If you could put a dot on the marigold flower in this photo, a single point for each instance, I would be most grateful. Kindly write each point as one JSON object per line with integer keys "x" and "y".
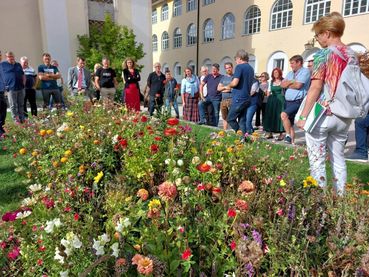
{"x": 310, "y": 182}
{"x": 231, "y": 212}
{"x": 154, "y": 204}
{"x": 167, "y": 191}
{"x": 173, "y": 121}
{"x": 22, "y": 151}
{"x": 145, "y": 266}
{"x": 143, "y": 194}
{"x": 186, "y": 254}
{"x": 246, "y": 187}
{"x": 67, "y": 153}
{"x": 63, "y": 159}
{"x": 49, "y": 132}
{"x": 42, "y": 133}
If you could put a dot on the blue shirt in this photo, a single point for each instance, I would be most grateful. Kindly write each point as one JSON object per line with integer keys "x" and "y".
{"x": 212, "y": 84}
{"x": 245, "y": 73}
{"x": 302, "y": 76}
{"x": 190, "y": 86}
{"x": 2, "y": 85}
{"x": 13, "y": 75}
{"x": 49, "y": 84}
{"x": 225, "y": 81}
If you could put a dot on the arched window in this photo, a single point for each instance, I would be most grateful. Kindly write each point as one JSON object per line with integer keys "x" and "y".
{"x": 154, "y": 40}
{"x": 252, "y": 20}
{"x": 164, "y": 41}
{"x": 165, "y": 67}
{"x": 154, "y": 17}
{"x": 208, "y": 30}
{"x": 208, "y": 2}
{"x": 177, "y": 38}
{"x": 281, "y": 14}
{"x": 207, "y": 63}
{"x": 192, "y": 65}
{"x": 352, "y": 7}
{"x": 191, "y": 5}
{"x": 164, "y": 12}
{"x": 191, "y": 34}
{"x": 228, "y": 24}
{"x": 315, "y": 9}
{"x": 278, "y": 59}
{"x": 177, "y": 7}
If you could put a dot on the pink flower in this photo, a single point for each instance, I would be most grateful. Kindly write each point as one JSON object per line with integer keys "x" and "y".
{"x": 233, "y": 245}
{"x": 186, "y": 254}
{"x": 181, "y": 229}
{"x": 136, "y": 258}
{"x": 145, "y": 266}
{"x": 167, "y": 191}
{"x": 76, "y": 217}
{"x": 246, "y": 187}
{"x": 280, "y": 212}
{"x": 242, "y": 205}
{"x": 143, "y": 194}
{"x": 14, "y": 253}
{"x": 231, "y": 212}
{"x": 2, "y": 244}
{"x": 200, "y": 187}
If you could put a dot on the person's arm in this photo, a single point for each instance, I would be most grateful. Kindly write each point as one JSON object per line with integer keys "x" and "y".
{"x": 183, "y": 91}
{"x": 234, "y": 83}
{"x": 138, "y": 76}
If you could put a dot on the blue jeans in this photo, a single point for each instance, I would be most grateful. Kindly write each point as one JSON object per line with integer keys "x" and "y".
{"x": 237, "y": 116}
{"x": 361, "y": 136}
{"x": 169, "y": 103}
{"x": 208, "y": 107}
{"x": 216, "y": 107}
{"x": 249, "y": 115}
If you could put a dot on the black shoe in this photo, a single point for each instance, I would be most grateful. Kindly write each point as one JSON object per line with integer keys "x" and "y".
{"x": 201, "y": 123}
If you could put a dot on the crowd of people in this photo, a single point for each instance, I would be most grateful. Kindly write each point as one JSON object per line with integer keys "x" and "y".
{"x": 237, "y": 96}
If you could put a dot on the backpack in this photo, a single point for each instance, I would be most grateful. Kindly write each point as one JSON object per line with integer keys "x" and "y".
{"x": 351, "y": 99}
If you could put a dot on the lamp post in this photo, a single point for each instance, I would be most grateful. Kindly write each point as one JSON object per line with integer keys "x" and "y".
{"x": 198, "y": 37}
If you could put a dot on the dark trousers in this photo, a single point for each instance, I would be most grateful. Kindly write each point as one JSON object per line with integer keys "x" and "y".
{"x": 30, "y": 96}
{"x": 155, "y": 103}
{"x": 260, "y": 112}
{"x": 237, "y": 116}
{"x": 3, "y": 107}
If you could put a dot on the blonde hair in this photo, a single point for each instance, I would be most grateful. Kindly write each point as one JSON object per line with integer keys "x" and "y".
{"x": 332, "y": 22}
{"x": 96, "y": 66}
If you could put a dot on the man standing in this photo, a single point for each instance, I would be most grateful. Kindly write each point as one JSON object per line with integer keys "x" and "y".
{"x": 296, "y": 84}
{"x": 243, "y": 79}
{"x": 156, "y": 84}
{"x": 14, "y": 84}
{"x": 171, "y": 93}
{"x": 360, "y": 153}
{"x": 30, "y": 92}
{"x": 79, "y": 80}
{"x": 226, "y": 93}
{"x": 49, "y": 74}
{"x": 214, "y": 97}
{"x": 106, "y": 80}
{"x": 205, "y": 108}
{"x": 3, "y": 105}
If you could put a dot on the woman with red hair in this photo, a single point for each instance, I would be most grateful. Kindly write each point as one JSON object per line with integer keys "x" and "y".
{"x": 274, "y": 107}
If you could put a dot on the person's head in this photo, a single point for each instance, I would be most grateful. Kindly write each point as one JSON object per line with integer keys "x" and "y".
{"x": 24, "y": 62}
{"x": 81, "y": 62}
{"x": 264, "y": 76}
{"x": 188, "y": 71}
{"x": 128, "y": 63}
{"x": 215, "y": 69}
{"x": 54, "y": 63}
{"x": 204, "y": 70}
{"x": 10, "y": 57}
{"x": 105, "y": 62}
{"x": 310, "y": 64}
{"x": 228, "y": 66}
{"x": 46, "y": 58}
{"x": 97, "y": 66}
{"x": 277, "y": 74}
{"x": 241, "y": 56}
{"x": 168, "y": 75}
{"x": 296, "y": 62}
{"x": 329, "y": 28}
{"x": 157, "y": 67}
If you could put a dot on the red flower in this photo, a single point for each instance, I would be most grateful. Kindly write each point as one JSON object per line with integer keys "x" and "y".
{"x": 157, "y": 138}
{"x": 242, "y": 205}
{"x": 186, "y": 254}
{"x": 233, "y": 245}
{"x": 168, "y": 132}
{"x": 204, "y": 167}
{"x": 2, "y": 244}
{"x": 14, "y": 253}
{"x": 200, "y": 187}
{"x": 231, "y": 212}
{"x": 280, "y": 212}
{"x": 76, "y": 216}
{"x": 42, "y": 248}
{"x": 154, "y": 148}
{"x": 122, "y": 142}
{"x": 173, "y": 121}
{"x": 39, "y": 262}
{"x": 48, "y": 202}
{"x": 143, "y": 118}
{"x": 216, "y": 190}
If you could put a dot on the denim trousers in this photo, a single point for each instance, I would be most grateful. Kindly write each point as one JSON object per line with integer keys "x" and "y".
{"x": 16, "y": 104}
{"x": 329, "y": 134}
{"x": 249, "y": 116}
{"x": 208, "y": 107}
{"x": 216, "y": 108}
{"x": 237, "y": 115}
{"x": 361, "y": 136}
{"x": 169, "y": 103}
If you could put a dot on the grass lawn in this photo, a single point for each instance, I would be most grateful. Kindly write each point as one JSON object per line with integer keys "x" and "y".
{"x": 13, "y": 190}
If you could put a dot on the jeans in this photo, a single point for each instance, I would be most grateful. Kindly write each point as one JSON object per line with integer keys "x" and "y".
{"x": 155, "y": 103}
{"x": 30, "y": 96}
{"x": 361, "y": 136}
{"x": 237, "y": 115}
{"x": 3, "y": 107}
{"x": 16, "y": 103}
{"x": 330, "y": 133}
{"x": 206, "y": 107}
{"x": 169, "y": 103}
{"x": 216, "y": 107}
{"x": 249, "y": 115}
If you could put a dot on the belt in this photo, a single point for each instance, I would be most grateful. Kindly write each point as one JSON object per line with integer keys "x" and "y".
{"x": 297, "y": 100}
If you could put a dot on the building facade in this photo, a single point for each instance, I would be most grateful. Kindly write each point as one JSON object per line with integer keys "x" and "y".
{"x": 201, "y": 32}
{"x": 31, "y": 27}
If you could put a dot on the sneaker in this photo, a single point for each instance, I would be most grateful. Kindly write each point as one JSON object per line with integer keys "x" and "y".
{"x": 288, "y": 140}
{"x": 356, "y": 157}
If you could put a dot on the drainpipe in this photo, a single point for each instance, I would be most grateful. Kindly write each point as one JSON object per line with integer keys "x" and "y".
{"x": 198, "y": 37}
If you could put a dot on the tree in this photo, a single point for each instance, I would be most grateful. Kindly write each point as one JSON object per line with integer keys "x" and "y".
{"x": 111, "y": 40}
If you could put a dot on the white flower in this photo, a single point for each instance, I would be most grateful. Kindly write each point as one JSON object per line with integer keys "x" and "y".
{"x": 115, "y": 248}
{"x": 115, "y": 139}
{"x": 209, "y": 163}
{"x": 104, "y": 238}
{"x": 178, "y": 181}
{"x": 76, "y": 242}
{"x": 28, "y": 202}
{"x": 98, "y": 247}
{"x": 68, "y": 249}
{"x": 23, "y": 214}
{"x": 195, "y": 160}
{"x": 57, "y": 222}
{"x": 58, "y": 257}
{"x": 51, "y": 224}
{"x": 175, "y": 171}
{"x": 35, "y": 187}
{"x": 167, "y": 161}
{"x": 180, "y": 162}
{"x": 64, "y": 273}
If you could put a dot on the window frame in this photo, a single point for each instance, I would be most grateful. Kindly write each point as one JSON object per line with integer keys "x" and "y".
{"x": 359, "y": 8}
{"x": 281, "y": 17}
{"x": 177, "y": 38}
{"x": 177, "y": 8}
{"x": 207, "y": 30}
{"x": 164, "y": 41}
{"x": 207, "y": 2}
{"x": 316, "y": 9}
{"x": 230, "y": 28}
{"x": 191, "y": 40}
{"x": 164, "y": 15}
{"x": 154, "y": 16}
{"x": 255, "y": 21}
{"x": 154, "y": 43}
{"x": 191, "y": 5}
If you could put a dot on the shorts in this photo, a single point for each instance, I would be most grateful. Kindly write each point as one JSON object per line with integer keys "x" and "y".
{"x": 224, "y": 107}
{"x": 291, "y": 108}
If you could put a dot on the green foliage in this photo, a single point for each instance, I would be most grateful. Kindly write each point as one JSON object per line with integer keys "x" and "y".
{"x": 111, "y": 40}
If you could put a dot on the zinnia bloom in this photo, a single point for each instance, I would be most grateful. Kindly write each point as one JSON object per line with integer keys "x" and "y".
{"x": 154, "y": 148}
{"x": 173, "y": 121}
{"x": 145, "y": 266}
{"x": 143, "y": 194}
{"x": 231, "y": 212}
{"x": 14, "y": 253}
{"x": 167, "y": 191}
{"x": 136, "y": 258}
{"x": 242, "y": 205}
{"x": 186, "y": 254}
{"x": 204, "y": 167}
{"x": 246, "y": 187}
{"x": 143, "y": 118}
{"x": 170, "y": 132}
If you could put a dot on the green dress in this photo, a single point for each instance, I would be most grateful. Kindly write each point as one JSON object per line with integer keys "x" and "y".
{"x": 274, "y": 107}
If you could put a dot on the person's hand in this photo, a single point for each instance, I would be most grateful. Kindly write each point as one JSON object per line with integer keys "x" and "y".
{"x": 300, "y": 124}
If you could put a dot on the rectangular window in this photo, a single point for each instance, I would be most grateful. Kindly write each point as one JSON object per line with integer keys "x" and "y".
{"x": 208, "y": 2}
{"x": 278, "y": 63}
{"x": 178, "y": 70}
{"x": 154, "y": 17}
{"x": 177, "y": 8}
{"x": 191, "y": 5}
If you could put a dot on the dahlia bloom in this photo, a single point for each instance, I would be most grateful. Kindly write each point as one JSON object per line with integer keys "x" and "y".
{"x": 145, "y": 266}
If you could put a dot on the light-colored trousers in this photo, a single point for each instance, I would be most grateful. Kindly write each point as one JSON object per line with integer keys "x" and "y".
{"x": 107, "y": 93}
{"x": 16, "y": 104}
{"x": 329, "y": 134}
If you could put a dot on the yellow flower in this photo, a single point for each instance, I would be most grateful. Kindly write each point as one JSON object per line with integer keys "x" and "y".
{"x": 154, "y": 204}
{"x": 70, "y": 113}
{"x": 42, "y": 133}
{"x": 221, "y": 134}
{"x": 230, "y": 149}
{"x": 98, "y": 177}
{"x": 22, "y": 151}
{"x": 50, "y": 132}
{"x": 282, "y": 183}
{"x": 209, "y": 152}
{"x": 64, "y": 159}
{"x": 310, "y": 182}
{"x": 67, "y": 153}
{"x": 239, "y": 132}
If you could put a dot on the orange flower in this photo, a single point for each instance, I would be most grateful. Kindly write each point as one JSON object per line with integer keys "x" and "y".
{"x": 145, "y": 266}
{"x": 143, "y": 194}
{"x": 170, "y": 132}
{"x": 204, "y": 167}
{"x": 42, "y": 133}
{"x": 136, "y": 258}
{"x": 167, "y": 191}
{"x": 22, "y": 151}
{"x": 246, "y": 187}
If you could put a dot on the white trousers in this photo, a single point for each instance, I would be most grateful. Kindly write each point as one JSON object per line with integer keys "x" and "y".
{"x": 329, "y": 134}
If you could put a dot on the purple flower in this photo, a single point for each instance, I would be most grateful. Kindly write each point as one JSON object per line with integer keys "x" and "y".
{"x": 244, "y": 237}
{"x": 257, "y": 237}
{"x": 94, "y": 164}
{"x": 291, "y": 212}
{"x": 249, "y": 269}
{"x": 244, "y": 225}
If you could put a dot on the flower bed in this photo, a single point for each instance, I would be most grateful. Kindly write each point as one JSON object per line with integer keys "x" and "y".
{"x": 113, "y": 193}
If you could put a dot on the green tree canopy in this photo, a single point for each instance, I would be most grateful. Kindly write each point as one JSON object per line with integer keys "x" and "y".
{"x": 111, "y": 40}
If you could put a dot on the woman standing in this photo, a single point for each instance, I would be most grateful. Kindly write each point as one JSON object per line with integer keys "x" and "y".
{"x": 272, "y": 122}
{"x": 190, "y": 96}
{"x": 97, "y": 91}
{"x": 131, "y": 91}
{"x": 263, "y": 89}
{"x": 331, "y": 131}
